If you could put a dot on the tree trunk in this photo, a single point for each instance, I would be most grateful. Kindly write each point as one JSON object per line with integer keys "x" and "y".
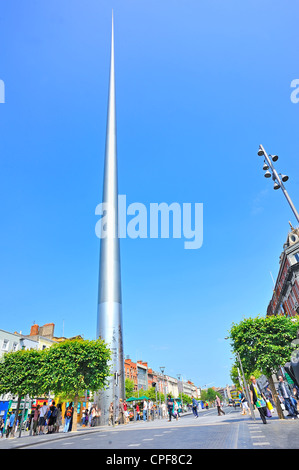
{"x": 276, "y": 398}
{"x": 75, "y": 414}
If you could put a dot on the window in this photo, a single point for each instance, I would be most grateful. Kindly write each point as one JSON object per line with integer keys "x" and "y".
{"x": 5, "y": 345}
{"x": 297, "y": 257}
{"x": 15, "y": 347}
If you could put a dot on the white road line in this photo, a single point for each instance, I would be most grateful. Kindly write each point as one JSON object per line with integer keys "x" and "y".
{"x": 147, "y": 439}
{"x": 133, "y": 445}
{"x": 67, "y": 443}
{"x": 261, "y": 443}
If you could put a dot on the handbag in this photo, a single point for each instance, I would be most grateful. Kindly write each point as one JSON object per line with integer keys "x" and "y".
{"x": 269, "y": 405}
{"x": 268, "y": 413}
{"x": 260, "y": 403}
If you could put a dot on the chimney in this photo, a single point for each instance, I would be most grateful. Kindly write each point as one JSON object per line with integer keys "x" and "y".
{"x": 34, "y": 330}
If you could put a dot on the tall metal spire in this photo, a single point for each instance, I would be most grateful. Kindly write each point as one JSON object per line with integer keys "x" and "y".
{"x": 109, "y": 325}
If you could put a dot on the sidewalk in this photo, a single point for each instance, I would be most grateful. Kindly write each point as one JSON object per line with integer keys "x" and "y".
{"x": 27, "y": 440}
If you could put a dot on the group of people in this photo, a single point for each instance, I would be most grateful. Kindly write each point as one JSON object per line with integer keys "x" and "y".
{"x": 146, "y": 410}
{"x": 45, "y": 419}
{"x": 91, "y": 417}
{"x": 263, "y": 401}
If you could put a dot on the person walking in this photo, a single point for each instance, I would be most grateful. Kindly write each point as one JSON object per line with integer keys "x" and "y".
{"x": 52, "y": 418}
{"x": 68, "y": 418}
{"x": 296, "y": 397}
{"x": 258, "y": 399}
{"x": 10, "y": 423}
{"x": 194, "y": 407}
{"x": 42, "y": 418}
{"x": 58, "y": 421}
{"x": 1, "y": 426}
{"x": 170, "y": 406}
{"x": 111, "y": 417}
{"x": 144, "y": 410}
{"x": 176, "y": 409}
{"x": 35, "y": 419}
{"x": 126, "y": 414}
{"x": 218, "y": 404}
{"x": 244, "y": 403}
{"x": 137, "y": 412}
{"x": 285, "y": 393}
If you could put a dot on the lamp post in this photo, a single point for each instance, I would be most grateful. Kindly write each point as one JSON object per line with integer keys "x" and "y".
{"x": 179, "y": 377}
{"x": 277, "y": 178}
{"x": 246, "y": 388}
{"x": 162, "y": 369}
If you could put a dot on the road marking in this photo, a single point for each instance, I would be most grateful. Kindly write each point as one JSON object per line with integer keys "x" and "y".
{"x": 261, "y": 443}
{"x": 158, "y": 435}
{"x": 147, "y": 439}
{"x": 133, "y": 445}
{"x": 86, "y": 439}
{"x": 67, "y": 443}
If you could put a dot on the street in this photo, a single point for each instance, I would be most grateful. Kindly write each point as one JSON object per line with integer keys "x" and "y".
{"x": 208, "y": 431}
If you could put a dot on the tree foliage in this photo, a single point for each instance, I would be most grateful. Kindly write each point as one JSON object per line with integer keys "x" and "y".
{"x": 264, "y": 344}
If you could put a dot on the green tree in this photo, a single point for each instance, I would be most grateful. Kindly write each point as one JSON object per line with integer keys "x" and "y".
{"x": 20, "y": 374}
{"x": 74, "y": 366}
{"x": 129, "y": 386}
{"x": 264, "y": 344}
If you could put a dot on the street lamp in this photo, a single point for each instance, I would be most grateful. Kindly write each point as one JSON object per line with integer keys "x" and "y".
{"x": 179, "y": 377}
{"x": 278, "y": 179}
{"x": 162, "y": 369}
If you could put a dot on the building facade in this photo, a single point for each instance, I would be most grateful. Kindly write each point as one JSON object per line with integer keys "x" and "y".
{"x": 285, "y": 299}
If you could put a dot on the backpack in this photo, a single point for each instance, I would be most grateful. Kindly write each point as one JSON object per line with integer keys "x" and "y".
{"x": 54, "y": 414}
{"x": 69, "y": 413}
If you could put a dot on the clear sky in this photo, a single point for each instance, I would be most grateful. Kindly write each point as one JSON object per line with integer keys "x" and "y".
{"x": 199, "y": 85}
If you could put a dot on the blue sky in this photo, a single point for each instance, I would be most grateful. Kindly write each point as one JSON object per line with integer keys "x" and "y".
{"x": 199, "y": 85}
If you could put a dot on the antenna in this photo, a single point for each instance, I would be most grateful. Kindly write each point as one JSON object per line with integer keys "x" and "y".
{"x": 272, "y": 279}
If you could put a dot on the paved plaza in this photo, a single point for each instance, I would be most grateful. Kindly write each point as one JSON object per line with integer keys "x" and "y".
{"x": 208, "y": 431}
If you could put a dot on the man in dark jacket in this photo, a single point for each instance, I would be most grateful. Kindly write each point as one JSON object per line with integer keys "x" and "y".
{"x": 285, "y": 393}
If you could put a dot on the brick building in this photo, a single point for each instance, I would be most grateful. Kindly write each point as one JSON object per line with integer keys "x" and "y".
{"x": 285, "y": 299}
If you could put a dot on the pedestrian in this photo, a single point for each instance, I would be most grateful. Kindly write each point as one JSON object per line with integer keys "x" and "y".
{"x": 150, "y": 410}
{"x": 137, "y": 412}
{"x": 1, "y": 426}
{"x": 176, "y": 409}
{"x": 52, "y": 418}
{"x": 93, "y": 416}
{"x": 35, "y": 419}
{"x": 68, "y": 417}
{"x": 58, "y": 422}
{"x": 170, "y": 406}
{"x": 10, "y": 423}
{"x": 144, "y": 411}
{"x": 42, "y": 418}
{"x": 111, "y": 417}
{"x": 71, "y": 421}
{"x": 121, "y": 417}
{"x": 296, "y": 397}
{"x": 258, "y": 399}
{"x": 164, "y": 410}
{"x": 218, "y": 404}
{"x": 244, "y": 403}
{"x": 86, "y": 418}
{"x": 269, "y": 396}
{"x": 285, "y": 393}
{"x": 126, "y": 414}
{"x": 194, "y": 407}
